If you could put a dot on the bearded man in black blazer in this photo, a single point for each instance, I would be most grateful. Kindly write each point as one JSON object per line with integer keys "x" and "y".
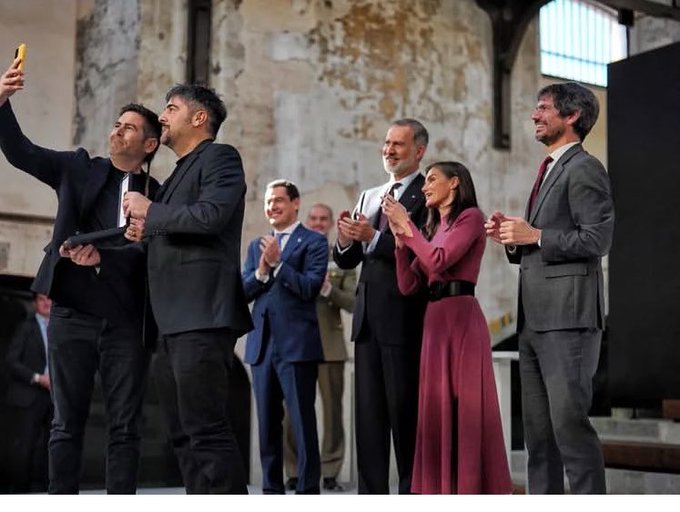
{"x": 387, "y": 326}
{"x": 97, "y": 317}
{"x": 192, "y": 233}
{"x": 558, "y": 245}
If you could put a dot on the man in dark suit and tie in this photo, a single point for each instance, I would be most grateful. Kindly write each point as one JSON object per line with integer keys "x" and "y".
{"x": 283, "y": 274}
{"x": 192, "y": 232}
{"x": 97, "y": 317}
{"x": 387, "y": 327}
{"x": 28, "y": 396}
{"x": 559, "y": 244}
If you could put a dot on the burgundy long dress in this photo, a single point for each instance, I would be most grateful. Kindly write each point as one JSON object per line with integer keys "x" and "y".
{"x": 459, "y": 441}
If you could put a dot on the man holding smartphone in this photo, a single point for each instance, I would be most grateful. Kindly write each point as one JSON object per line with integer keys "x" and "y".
{"x": 387, "y": 327}
{"x": 97, "y": 317}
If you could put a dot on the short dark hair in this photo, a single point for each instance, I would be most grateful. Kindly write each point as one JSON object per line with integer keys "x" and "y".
{"x": 152, "y": 126}
{"x": 198, "y": 95}
{"x": 420, "y": 135}
{"x": 570, "y": 97}
{"x": 291, "y": 189}
{"x": 465, "y": 195}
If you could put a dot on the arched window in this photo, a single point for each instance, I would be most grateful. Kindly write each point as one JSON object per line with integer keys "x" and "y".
{"x": 578, "y": 40}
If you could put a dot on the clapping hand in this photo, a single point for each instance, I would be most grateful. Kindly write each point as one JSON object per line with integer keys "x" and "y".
{"x": 397, "y": 216}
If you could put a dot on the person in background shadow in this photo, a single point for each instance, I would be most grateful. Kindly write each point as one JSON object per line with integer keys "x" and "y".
{"x": 283, "y": 274}
{"x": 459, "y": 442}
{"x": 558, "y": 244}
{"x": 98, "y": 299}
{"x": 28, "y": 397}
{"x": 337, "y": 293}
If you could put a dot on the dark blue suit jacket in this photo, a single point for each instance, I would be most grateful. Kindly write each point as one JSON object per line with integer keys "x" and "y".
{"x": 285, "y": 306}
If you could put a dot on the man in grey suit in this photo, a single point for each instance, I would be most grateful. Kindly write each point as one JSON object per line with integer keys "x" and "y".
{"x": 559, "y": 244}
{"x": 192, "y": 233}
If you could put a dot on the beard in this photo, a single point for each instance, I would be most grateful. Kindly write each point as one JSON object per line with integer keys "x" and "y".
{"x": 548, "y": 138}
{"x": 400, "y": 167}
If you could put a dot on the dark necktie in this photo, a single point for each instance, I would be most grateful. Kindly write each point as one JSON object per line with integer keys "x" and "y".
{"x": 279, "y": 239}
{"x": 391, "y": 191}
{"x": 539, "y": 180}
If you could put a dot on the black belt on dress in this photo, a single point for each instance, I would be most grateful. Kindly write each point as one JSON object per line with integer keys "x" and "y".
{"x": 440, "y": 289}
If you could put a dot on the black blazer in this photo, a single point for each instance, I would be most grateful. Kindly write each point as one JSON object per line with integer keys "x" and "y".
{"x": 25, "y": 356}
{"x": 193, "y": 235}
{"x": 77, "y": 179}
{"x": 393, "y": 318}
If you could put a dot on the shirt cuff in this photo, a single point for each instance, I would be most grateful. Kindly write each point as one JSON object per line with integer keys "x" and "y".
{"x": 262, "y": 278}
{"x": 341, "y": 249}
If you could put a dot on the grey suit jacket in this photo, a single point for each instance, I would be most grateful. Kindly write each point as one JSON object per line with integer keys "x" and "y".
{"x": 560, "y": 282}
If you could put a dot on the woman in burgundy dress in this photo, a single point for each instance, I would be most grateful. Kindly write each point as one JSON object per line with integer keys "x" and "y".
{"x": 459, "y": 442}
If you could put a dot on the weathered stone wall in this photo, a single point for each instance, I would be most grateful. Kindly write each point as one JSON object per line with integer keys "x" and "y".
{"x": 107, "y": 45}
{"x": 313, "y": 85}
{"x": 649, "y": 33}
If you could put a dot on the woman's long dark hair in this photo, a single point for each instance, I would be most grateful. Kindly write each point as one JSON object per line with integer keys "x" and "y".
{"x": 465, "y": 196}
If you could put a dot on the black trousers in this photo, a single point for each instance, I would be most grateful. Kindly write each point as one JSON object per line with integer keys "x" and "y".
{"x": 30, "y": 431}
{"x": 79, "y": 346}
{"x": 386, "y": 381}
{"x": 191, "y": 371}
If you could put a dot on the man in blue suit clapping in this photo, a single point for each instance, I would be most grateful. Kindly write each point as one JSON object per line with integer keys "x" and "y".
{"x": 283, "y": 274}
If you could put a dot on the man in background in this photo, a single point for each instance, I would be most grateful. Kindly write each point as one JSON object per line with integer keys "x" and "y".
{"x": 28, "y": 396}
{"x": 337, "y": 293}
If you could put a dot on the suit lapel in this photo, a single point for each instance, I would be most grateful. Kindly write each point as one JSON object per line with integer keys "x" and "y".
{"x": 171, "y": 183}
{"x": 552, "y": 178}
{"x": 412, "y": 195}
{"x": 409, "y": 198}
{"x": 96, "y": 181}
{"x": 294, "y": 240}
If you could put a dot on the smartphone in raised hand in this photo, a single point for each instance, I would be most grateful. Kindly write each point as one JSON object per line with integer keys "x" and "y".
{"x": 20, "y": 53}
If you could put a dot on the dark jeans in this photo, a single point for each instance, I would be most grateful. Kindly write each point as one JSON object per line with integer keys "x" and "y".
{"x": 191, "y": 370}
{"x": 79, "y": 346}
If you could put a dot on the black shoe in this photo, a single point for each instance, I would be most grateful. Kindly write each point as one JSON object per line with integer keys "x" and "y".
{"x": 291, "y": 484}
{"x": 331, "y": 484}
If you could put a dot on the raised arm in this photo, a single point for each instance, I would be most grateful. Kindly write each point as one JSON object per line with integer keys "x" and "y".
{"x": 436, "y": 258}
